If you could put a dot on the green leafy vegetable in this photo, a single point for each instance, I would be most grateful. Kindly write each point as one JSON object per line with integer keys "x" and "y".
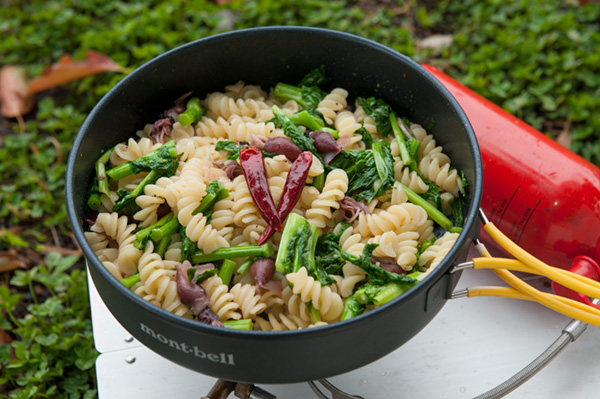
{"x": 307, "y": 93}
{"x": 316, "y": 77}
{"x": 297, "y": 248}
{"x": 215, "y": 192}
{"x": 376, "y": 274}
{"x": 205, "y": 275}
{"x": 304, "y": 142}
{"x": 328, "y": 254}
{"x": 380, "y": 111}
{"x": 370, "y": 173}
{"x": 161, "y": 162}
{"x": 241, "y": 251}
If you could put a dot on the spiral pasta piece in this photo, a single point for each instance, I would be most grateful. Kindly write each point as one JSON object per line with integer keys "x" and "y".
{"x": 442, "y": 175}
{"x": 133, "y": 150}
{"x": 110, "y": 229}
{"x": 241, "y": 130}
{"x": 346, "y": 123}
{"x": 224, "y": 106}
{"x": 295, "y": 305}
{"x": 248, "y": 300}
{"x": 243, "y": 206}
{"x": 279, "y": 322}
{"x": 336, "y": 185}
{"x": 410, "y": 179}
{"x": 432, "y": 256}
{"x": 332, "y": 103}
{"x": 367, "y": 121}
{"x": 396, "y": 218}
{"x": 158, "y": 278}
{"x": 328, "y": 302}
{"x": 221, "y": 300}
{"x": 402, "y": 247}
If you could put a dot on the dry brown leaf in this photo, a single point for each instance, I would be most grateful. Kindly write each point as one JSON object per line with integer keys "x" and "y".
{"x": 5, "y": 338}
{"x": 10, "y": 260}
{"x": 13, "y": 86}
{"x": 67, "y": 70}
{"x": 564, "y": 138}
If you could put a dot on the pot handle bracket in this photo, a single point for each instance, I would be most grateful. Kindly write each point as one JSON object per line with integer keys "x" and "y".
{"x": 441, "y": 291}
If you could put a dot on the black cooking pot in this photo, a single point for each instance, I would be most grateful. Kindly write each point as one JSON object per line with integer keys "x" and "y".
{"x": 266, "y": 56}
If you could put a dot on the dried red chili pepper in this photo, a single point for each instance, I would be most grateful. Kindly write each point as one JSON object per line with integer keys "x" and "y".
{"x": 253, "y": 166}
{"x": 292, "y": 190}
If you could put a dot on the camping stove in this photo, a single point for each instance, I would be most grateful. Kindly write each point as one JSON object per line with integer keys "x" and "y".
{"x": 468, "y": 348}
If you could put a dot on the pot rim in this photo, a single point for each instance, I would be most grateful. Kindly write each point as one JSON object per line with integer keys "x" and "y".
{"x": 470, "y": 219}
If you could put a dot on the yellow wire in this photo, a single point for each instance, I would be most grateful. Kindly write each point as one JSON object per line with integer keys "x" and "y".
{"x": 517, "y": 265}
{"x": 509, "y": 292}
{"x": 570, "y": 308}
{"x": 588, "y": 286}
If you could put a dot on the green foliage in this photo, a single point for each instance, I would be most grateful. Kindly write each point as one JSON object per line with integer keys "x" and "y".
{"x": 381, "y": 25}
{"x": 540, "y": 60}
{"x": 53, "y": 353}
{"x": 32, "y": 166}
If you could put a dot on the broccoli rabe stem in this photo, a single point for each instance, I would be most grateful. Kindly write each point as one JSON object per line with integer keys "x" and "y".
{"x": 162, "y": 246}
{"x": 243, "y": 324}
{"x": 241, "y": 251}
{"x": 194, "y": 111}
{"x": 131, "y": 280}
{"x": 304, "y": 118}
{"x": 319, "y": 181}
{"x": 160, "y": 159}
{"x": 226, "y": 271}
{"x": 371, "y": 294}
{"x": 165, "y": 230}
{"x": 352, "y": 308}
{"x": 431, "y": 210}
{"x": 245, "y": 266}
{"x": 142, "y": 236}
{"x": 101, "y": 172}
{"x": 297, "y": 245}
{"x": 404, "y": 154}
{"x": 94, "y": 200}
{"x": 286, "y": 92}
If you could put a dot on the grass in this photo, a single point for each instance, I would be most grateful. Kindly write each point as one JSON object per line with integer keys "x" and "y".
{"x": 540, "y": 60}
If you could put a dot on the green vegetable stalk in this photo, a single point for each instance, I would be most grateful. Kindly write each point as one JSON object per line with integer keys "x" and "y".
{"x": 215, "y": 192}
{"x": 163, "y": 159}
{"x": 194, "y": 111}
{"x": 101, "y": 172}
{"x": 131, "y": 280}
{"x": 242, "y": 324}
{"x": 161, "y": 162}
{"x": 371, "y": 294}
{"x": 142, "y": 236}
{"x": 226, "y": 271}
{"x": 431, "y": 210}
{"x": 405, "y": 154}
{"x": 297, "y": 248}
{"x": 100, "y": 184}
{"x": 242, "y": 251}
{"x": 310, "y": 118}
{"x": 304, "y": 142}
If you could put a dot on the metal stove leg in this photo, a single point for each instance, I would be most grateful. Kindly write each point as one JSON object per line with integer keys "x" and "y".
{"x": 335, "y": 392}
